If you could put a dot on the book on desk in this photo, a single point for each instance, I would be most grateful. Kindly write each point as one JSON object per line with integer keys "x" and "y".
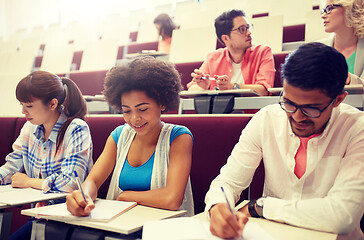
{"x": 104, "y": 211}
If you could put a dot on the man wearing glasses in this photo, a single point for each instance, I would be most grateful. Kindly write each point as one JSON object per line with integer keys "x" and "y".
{"x": 240, "y": 64}
{"x": 312, "y": 146}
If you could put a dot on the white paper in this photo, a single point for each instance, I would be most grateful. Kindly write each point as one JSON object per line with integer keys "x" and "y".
{"x": 174, "y": 229}
{"x": 104, "y": 210}
{"x": 188, "y": 228}
{"x": 16, "y": 196}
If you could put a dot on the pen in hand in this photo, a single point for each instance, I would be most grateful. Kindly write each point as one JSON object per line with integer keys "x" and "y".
{"x": 230, "y": 208}
{"x": 208, "y": 78}
{"x": 80, "y": 187}
{"x": 232, "y": 212}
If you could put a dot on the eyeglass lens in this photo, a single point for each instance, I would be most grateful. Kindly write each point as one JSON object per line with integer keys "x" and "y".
{"x": 310, "y": 112}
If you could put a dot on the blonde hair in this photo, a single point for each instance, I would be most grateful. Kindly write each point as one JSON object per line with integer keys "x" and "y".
{"x": 354, "y": 15}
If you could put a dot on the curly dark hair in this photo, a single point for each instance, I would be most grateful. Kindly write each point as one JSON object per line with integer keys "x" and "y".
{"x": 157, "y": 78}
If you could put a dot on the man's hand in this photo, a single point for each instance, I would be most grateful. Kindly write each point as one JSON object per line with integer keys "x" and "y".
{"x": 224, "y": 224}
{"x": 223, "y": 82}
{"x": 245, "y": 210}
{"x": 202, "y": 83}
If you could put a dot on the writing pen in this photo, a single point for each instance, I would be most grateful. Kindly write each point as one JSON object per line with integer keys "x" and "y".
{"x": 208, "y": 78}
{"x": 79, "y": 186}
{"x": 230, "y": 208}
{"x": 232, "y": 212}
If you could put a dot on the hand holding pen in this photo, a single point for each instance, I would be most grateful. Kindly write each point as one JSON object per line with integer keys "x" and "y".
{"x": 80, "y": 187}
{"x": 78, "y": 202}
{"x": 201, "y": 79}
{"x": 226, "y": 223}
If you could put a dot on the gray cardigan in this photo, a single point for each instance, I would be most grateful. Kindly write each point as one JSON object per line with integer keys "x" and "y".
{"x": 160, "y": 166}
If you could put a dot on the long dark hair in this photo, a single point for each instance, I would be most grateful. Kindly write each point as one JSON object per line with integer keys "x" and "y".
{"x": 47, "y": 86}
{"x": 167, "y": 25}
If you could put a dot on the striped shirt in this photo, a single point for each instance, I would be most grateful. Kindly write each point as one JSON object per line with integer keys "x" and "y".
{"x": 39, "y": 159}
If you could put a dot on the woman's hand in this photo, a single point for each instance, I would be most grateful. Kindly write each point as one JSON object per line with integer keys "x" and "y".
{"x": 76, "y": 204}
{"x": 20, "y": 180}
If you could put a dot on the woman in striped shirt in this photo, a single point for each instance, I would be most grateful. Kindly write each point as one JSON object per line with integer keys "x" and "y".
{"x": 55, "y": 141}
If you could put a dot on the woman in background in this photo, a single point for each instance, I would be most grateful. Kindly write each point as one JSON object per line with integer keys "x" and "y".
{"x": 165, "y": 27}
{"x": 149, "y": 160}
{"x": 345, "y": 19}
{"x": 55, "y": 141}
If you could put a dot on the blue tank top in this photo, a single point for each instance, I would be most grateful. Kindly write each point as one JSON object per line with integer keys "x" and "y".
{"x": 139, "y": 178}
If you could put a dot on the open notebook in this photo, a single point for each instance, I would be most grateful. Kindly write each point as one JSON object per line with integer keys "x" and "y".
{"x": 104, "y": 211}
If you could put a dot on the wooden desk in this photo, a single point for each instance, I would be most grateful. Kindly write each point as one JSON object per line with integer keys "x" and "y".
{"x": 127, "y": 223}
{"x": 351, "y": 89}
{"x": 281, "y": 231}
{"x": 5, "y": 217}
{"x": 151, "y": 53}
{"x": 248, "y": 100}
{"x": 237, "y": 92}
{"x": 187, "y": 101}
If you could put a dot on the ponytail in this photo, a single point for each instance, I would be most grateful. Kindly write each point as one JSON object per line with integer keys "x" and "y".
{"x": 47, "y": 86}
{"x": 74, "y": 106}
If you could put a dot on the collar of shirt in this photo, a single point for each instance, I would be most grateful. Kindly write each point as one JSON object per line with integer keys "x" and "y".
{"x": 246, "y": 54}
{"x": 39, "y": 131}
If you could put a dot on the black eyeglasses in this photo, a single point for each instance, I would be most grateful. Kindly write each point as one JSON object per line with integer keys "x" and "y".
{"x": 311, "y": 112}
{"x": 243, "y": 28}
{"x": 328, "y": 9}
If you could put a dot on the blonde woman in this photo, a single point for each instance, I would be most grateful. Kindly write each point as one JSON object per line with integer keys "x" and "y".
{"x": 345, "y": 20}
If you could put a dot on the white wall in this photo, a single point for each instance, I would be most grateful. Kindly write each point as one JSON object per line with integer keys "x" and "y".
{"x": 25, "y": 14}
{"x": 2, "y": 19}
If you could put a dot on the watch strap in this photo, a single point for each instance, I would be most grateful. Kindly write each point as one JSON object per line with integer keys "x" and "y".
{"x": 251, "y": 209}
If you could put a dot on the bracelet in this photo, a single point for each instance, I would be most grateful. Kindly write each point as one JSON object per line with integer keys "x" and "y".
{"x": 251, "y": 209}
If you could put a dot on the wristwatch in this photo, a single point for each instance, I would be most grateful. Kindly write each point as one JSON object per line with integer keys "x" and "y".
{"x": 255, "y": 207}
{"x": 251, "y": 209}
{"x": 236, "y": 86}
{"x": 259, "y": 205}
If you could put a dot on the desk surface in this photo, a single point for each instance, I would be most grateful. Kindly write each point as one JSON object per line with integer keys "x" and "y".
{"x": 282, "y": 231}
{"x": 351, "y": 89}
{"x": 237, "y": 92}
{"x": 94, "y": 98}
{"x": 152, "y": 53}
{"x": 19, "y": 196}
{"x": 128, "y": 222}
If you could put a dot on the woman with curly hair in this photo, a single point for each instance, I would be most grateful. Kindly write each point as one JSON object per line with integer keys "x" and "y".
{"x": 150, "y": 160}
{"x": 345, "y": 19}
